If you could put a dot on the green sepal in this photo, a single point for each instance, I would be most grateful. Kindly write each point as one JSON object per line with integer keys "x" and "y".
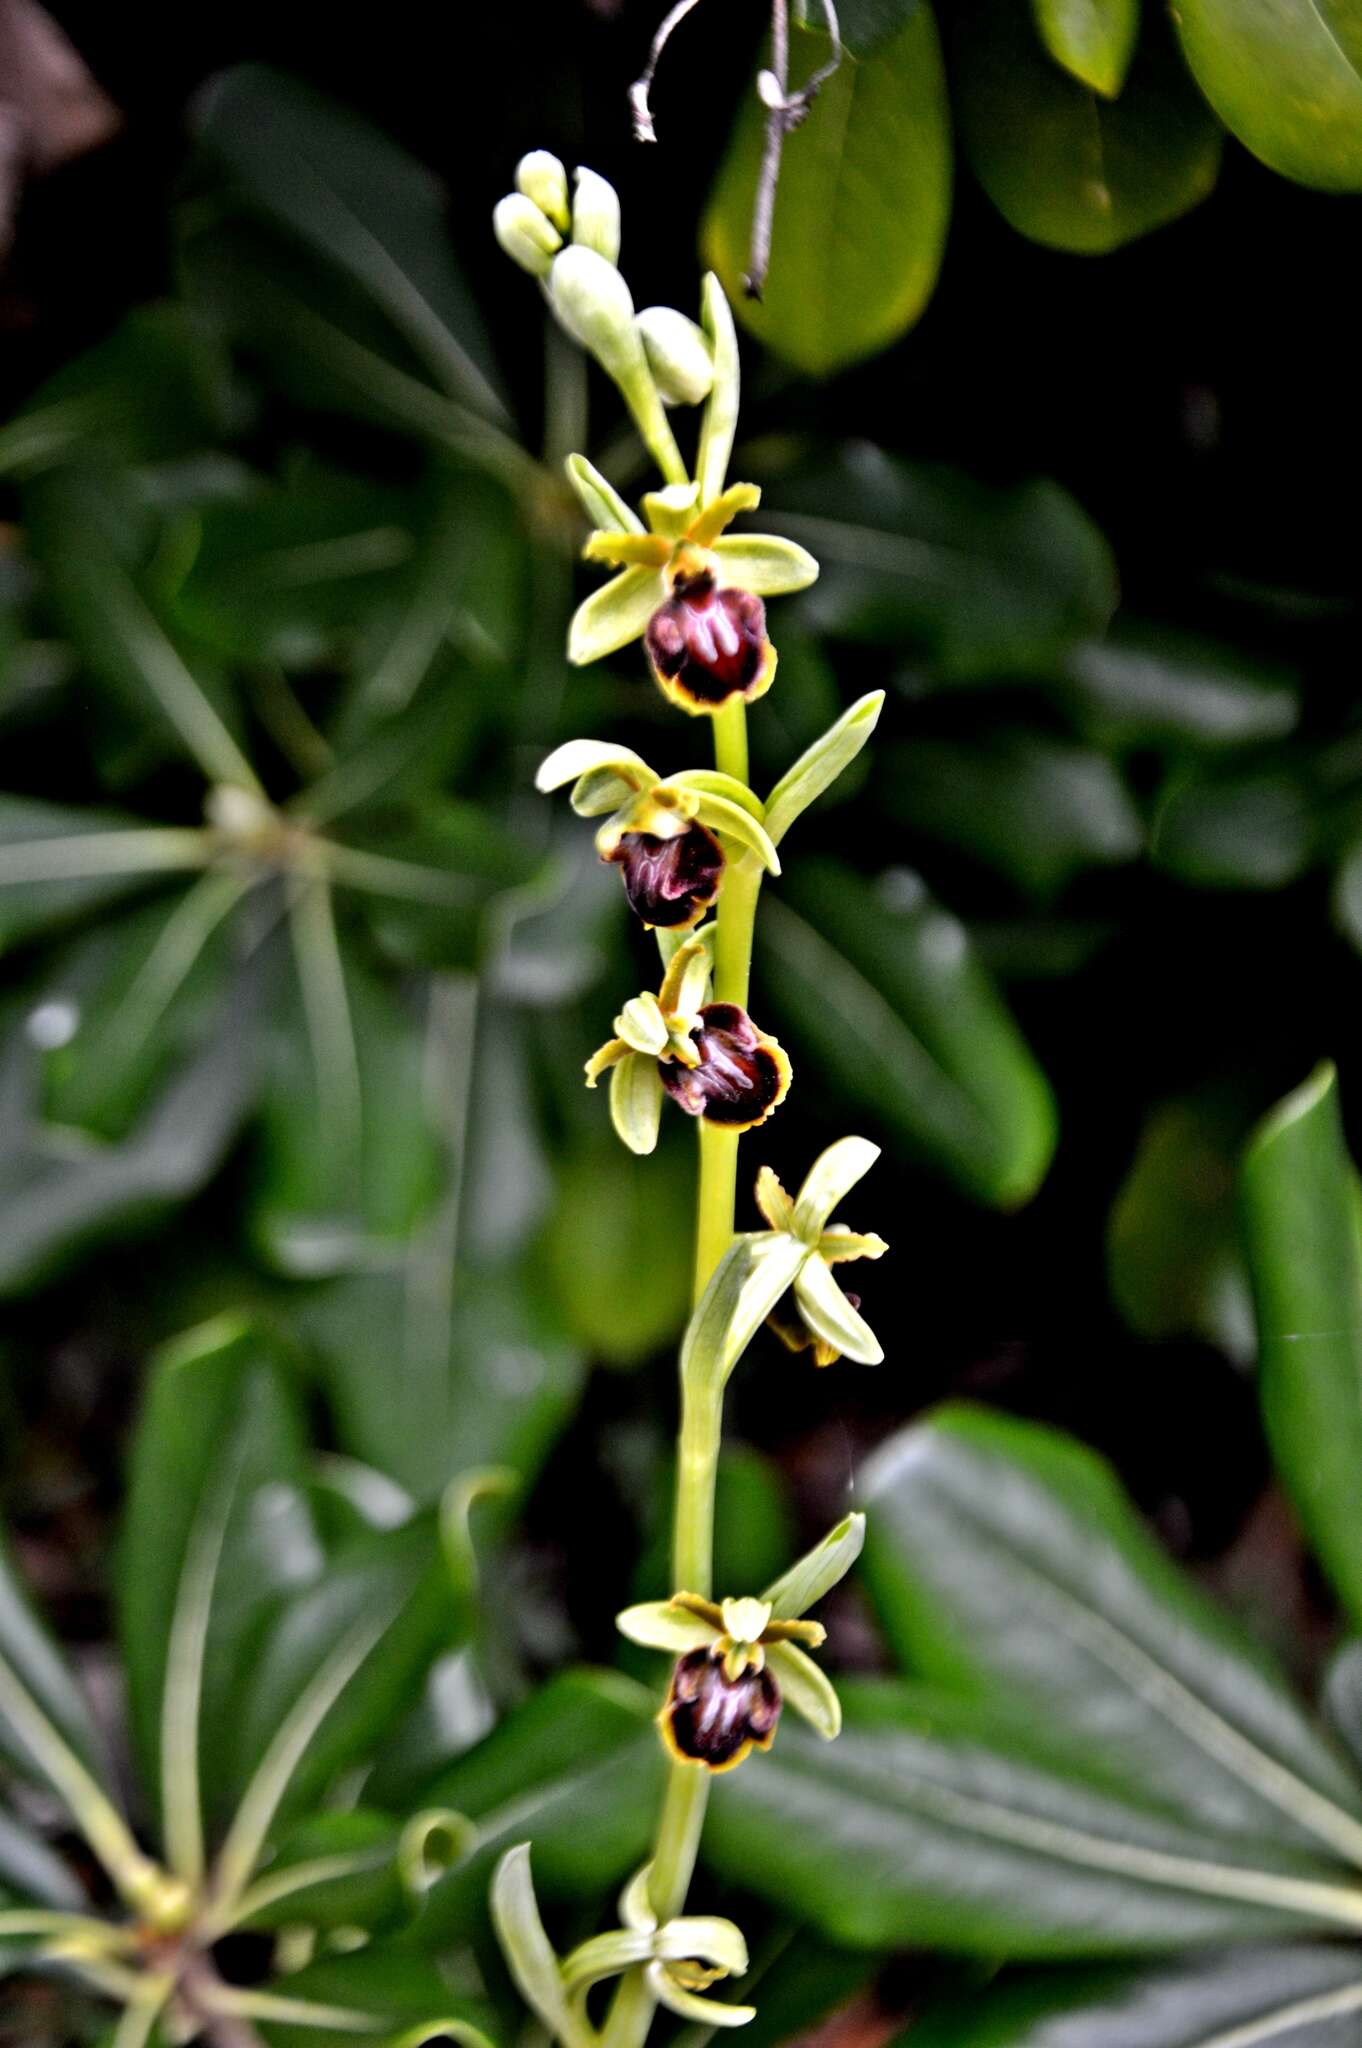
{"x": 599, "y": 499}
{"x": 831, "y": 1317}
{"x": 714, "y": 1941}
{"x": 819, "y": 766}
{"x": 659, "y": 1625}
{"x": 604, "y": 1955}
{"x": 636, "y": 1102}
{"x": 614, "y": 615}
{"x": 806, "y": 1688}
{"x": 763, "y": 563}
{"x": 818, "y": 1571}
{"x": 736, "y": 822}
{"x": 529, "y": 1953}
{"x": 577, "y": 760}
{"x": 746, "y": 1285}
{"x": 716, "y": 783}
{"x": 828, "y": 1181}
{"x": 689, "y": 2005}
{"x": 720, "y": 422}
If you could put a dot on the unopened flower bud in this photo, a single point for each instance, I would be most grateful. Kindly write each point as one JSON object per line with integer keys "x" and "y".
{"x": 679, "y": 355}
{"x": 543, "y": 179}
{"x": 596, "y": 307}
{"x": 596, "y": 215}
{"x": 527, "y": 235}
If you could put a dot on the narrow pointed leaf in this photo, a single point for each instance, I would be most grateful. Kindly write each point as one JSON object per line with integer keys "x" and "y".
{"x": 819, "y": 766}
{"x": 748, "y": 1282}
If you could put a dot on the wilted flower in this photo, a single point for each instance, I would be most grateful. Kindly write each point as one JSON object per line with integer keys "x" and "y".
{"x": 710, "y": 1057}
{"x": 741, "y": 1660}
{"x": 663, "y": 836}
{"x": 817, "y": 1314}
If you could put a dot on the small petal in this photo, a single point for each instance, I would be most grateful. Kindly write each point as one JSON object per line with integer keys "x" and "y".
{"x": 832, "y": 1317}
{"x": 599, "y": 499}
{"x": 772, "y": 1200}
{"x": 763, "y": 562}
{"x": 578, "y": 758}
{"x": 670, "y": 882}
{"x": 671, "y": 510}
{"x": 819, "y": 1570}
{"x": 807, "y": 1689}
{"x": 660, "y": 1625}
{"x": 831, "y": 1177}
{"x": 688, "y": 2005}
{"x": 636, "y": 1906}
{"x": 603, "y": 1956}
{"x": 740, "y": 1076}
{"x": 838, "y": 1243}
{"x": 606, "y": 1056}
{"x": 737, "y": 821}
{"x": 688, "y": 971}
{"x": 636, "y": 1102}
{"x": 627, "y": 550}
{"x": 716, "y": 1942}
{"x": 722, "y": 511}
{"x": 745, "y": 1619}
{"x": 642, "y": 1025}
{"x": 714, "y": 1720}
{"x": 721, "y": 410}
{"x": 614, "y": 615}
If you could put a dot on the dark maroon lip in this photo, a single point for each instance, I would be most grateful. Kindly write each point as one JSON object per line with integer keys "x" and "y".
{"x": 670, "y": 882}
{"x": 710, "y": 643}
{"x": 713, "y": 1719}
{"x": 740, "y": 1075}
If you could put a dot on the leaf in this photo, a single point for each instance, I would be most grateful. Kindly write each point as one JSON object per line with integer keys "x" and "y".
{"x": 467, "y": 1376}
{"x": 1042, "y": 811}
{"x": 1300, "y": 1211}
{"x": 861, "y": 208}
{"x": 1063, "y": 165}
{"x": 578, "y": 1769}
{"x": 883, "y": 990}
{"x": 530, "y": 1955}
{"x": 32, "y": 1871}
{"x": 865, "y": 24}
{"x": 1285, "y": 1997}
{"x": 920, "y": 558}
{"x": 931, "y": 1822}
{"x": 332, "y": 1870}
{"x": 819, "y": 766}
{"x": 60, "y": 1192}
{"x": 613, "y": 1219}
{"x": 1094, "y": 39}
{"x": 350, "y": 196}
{"x": 30, "y": 1658}
{"x": 216, "y": 1528}
{"x": 1252, "y": 830}
{"x": 1003, "y": 1557}
{"x": 1286, "y": 80}
{"x": 1142, "y": 688}
{"x": 347, "y": 1158}
{"x": 58, "y": 862}
{"x": 383, "y": 1982}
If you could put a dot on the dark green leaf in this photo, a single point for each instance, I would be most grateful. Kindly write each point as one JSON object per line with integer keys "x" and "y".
{"x": 369, "y": 1896}
{"x": 975, "y": 578}
{"x": 1286, "y": 80}
{"x": 1248, "y": 831}
{"x": 1041, "y": 811}
{"x": 216, "y": 1528}
{"x": 865, "y": 24}
{"x": 1064, "y": 166}
{"x": 1300, "y": 1207}
{"x": 31, "y": 1660}
{"x": 861, "y": 207}
{"x": 397, "y": 1988}
{"x": 40, "y": 845}
{"x": 1141, "y": 688}
{"x": 1004, "y": 1556}
{"x": 882, "y": 989}
{"x": 615, "y": 1217}
{"x": 578, "y": 1770}
{"x": 1300, "y": 1997}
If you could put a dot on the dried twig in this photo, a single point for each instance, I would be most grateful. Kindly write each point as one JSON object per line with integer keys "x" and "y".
{"x": 785, "y": 111}
{"x": 644, "y": 130}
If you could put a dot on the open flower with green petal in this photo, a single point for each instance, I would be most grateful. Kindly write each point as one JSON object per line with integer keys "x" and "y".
{"x": 666, "y": 837}
{"x": 817, "y": 1314}
{"x": 680, "y": 1958}
{"x": 688, "y": 588}
{"x": 709, "y": 1057}
{"x": 740, "y": 1661}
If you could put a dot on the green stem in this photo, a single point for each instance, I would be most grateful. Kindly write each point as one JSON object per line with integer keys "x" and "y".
{"x": 681, "y": 1822}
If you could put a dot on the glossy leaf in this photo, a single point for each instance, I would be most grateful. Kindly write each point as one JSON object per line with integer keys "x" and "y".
{"x": 874, "y": 159}
{"x": 1040, "y": 810}
{"x": 1094, "y": 39}
{"x": 883, "y": 989}
{"x": 1286, "y": 80}
{"x": 1002, "y": 1555}
{"x": 1065, "y": 166}
{"x": 1306, "y": 1996}
{"x": 1300, "y": 1210}
{"x": 929, "y": 1821}
{"x": 922, "y": 559}
{"x": 577, "y": 1769}
{"x": 216, "y": 1528}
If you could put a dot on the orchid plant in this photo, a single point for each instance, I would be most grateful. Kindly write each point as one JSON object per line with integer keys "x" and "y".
{"x": 692, "y": 847}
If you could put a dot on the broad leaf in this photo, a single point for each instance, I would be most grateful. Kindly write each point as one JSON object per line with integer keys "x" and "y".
{"x": 1144, "y": 688}
{"x": 882, "y": 988}
{"x": 1003, "y": 1556}
{"x": 1285, "y": 79}
{"x": 382, "y": 1993}
{"x": 1300, "y": 1209}
{"x": 933, "y": 1823}
{"x": 1065, "y": 166}
{"x": 861, "y": 207}
{"x": 1094, "y": 39}
{"x": 1254, "y": 830}
{"x": 614, "y": 1218}
{"x": 924, "y": 560}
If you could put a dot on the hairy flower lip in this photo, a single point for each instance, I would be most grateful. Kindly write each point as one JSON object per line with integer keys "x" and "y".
{"x": 740, "y": 1076}
{"x": 669, "y": 882}
{"x": 714, "y": 1720}
{"x": 707, "y": 645}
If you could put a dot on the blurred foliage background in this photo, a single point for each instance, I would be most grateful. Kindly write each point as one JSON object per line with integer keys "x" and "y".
{"x": 298, "y": 973}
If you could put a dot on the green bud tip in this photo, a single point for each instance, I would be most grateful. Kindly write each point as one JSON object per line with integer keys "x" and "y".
{"x": 596, "y": 215}
{"x": 679, "y": 354}
{"x": 527, "y": 235}
{"x": 543, "y": 178}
